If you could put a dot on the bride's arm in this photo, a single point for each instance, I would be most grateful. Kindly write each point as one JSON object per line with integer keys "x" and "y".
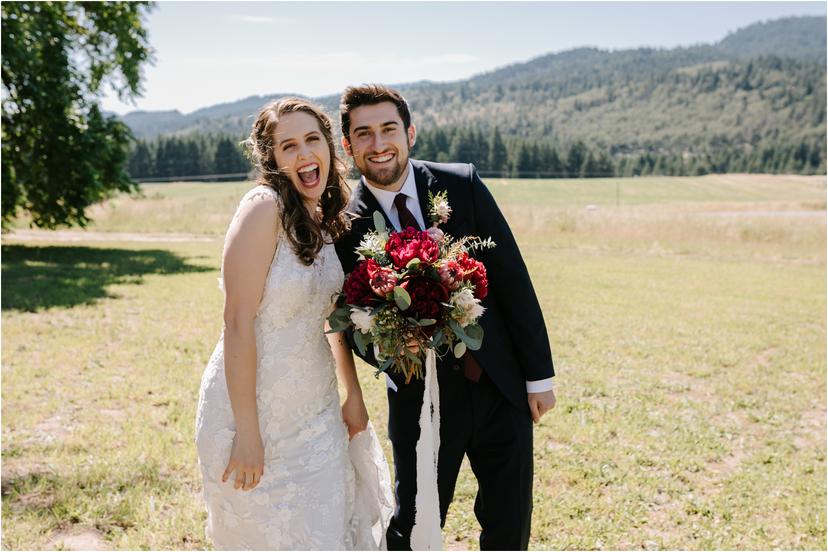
{"x": 354, "y": 412}
{"x": 248, "y": 252}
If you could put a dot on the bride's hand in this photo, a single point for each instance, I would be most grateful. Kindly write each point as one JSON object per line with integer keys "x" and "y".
{"x": 247, "y": 460}
{"x": 354, "y": 414}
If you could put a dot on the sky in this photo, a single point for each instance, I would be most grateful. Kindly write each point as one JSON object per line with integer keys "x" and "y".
{"x": 214, "y": 52}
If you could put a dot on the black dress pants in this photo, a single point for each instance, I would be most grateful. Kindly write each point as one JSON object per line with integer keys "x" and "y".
{"x": 475, "y": 420}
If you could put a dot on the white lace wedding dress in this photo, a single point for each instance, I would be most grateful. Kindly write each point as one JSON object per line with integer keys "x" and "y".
{"x": 318, "y": 490}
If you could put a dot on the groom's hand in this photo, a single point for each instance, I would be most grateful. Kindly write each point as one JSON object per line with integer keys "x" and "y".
{"x": 541, "y": 403}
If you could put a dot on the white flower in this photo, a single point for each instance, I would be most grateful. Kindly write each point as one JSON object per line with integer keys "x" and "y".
{"x": 467, "y": 309}
{"x": 372, "y": 243}
{"x": 442, "y": 209}
{"x": 362, "y": 319}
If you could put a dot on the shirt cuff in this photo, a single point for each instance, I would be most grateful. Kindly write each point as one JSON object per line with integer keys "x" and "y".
{"x": 539, "y": 386}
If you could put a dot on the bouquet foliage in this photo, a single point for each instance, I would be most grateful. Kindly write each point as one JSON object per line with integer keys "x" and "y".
{"x": 414, "y": 290}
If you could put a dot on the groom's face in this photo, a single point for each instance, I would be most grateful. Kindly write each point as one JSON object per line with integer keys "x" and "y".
{"x": 379, "y": 144}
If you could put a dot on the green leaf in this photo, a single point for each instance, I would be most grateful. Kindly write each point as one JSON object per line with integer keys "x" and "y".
{"x": 379, "y": 221}
{"x": 338, "y": 324}
{"x": 427, "y": 322}
{"x": 413, "y": 358}
{"x": 360, "y": 341}
{"x": 387, "y": 364}
{"x": 473, "y": 341}
{"x": 437, "y": 338}
{"x": 474, "y": 331}
{"x": 402, "y": 298}
{"x": 415, "y": 262}
{"x": 459, "y": 349}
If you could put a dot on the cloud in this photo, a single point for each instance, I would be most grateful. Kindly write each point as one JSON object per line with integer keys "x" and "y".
{"x": 264, "y": 19}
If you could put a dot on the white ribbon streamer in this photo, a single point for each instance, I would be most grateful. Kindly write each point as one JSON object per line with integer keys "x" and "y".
{"x": 426, "y": 533}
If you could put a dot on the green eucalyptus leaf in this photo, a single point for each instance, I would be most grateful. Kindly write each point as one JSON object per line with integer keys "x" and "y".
{"x": 459, "y": 349}
{"x": 387, "y": 364}
{"x": 473, "y": 341}
{"x": 437, "y": 339}
{"x": 427, "y": 322}
{"x": 402, "y": 298}
{"x": 379, "y": 221}
{"x": 360, "y": 341}
{"x": 413, "y": 358}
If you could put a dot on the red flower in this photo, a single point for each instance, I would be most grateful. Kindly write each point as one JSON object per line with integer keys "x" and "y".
{"x": 450, "y": 274}
{"x": 426, "y": 296}
{"x": 357, "y": 286}
{"x": 381, "y": 279}
{"x": 410, "y": 244}
{"x": 475, "y": 273}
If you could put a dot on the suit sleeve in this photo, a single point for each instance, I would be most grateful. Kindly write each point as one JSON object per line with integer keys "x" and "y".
{"x": 510, "y": 286}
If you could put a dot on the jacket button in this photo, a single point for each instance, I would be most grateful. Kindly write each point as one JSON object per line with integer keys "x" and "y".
{"x": 455, "y": 367}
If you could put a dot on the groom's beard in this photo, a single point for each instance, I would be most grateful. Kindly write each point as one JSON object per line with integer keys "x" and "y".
{"x": 385, "y": 176}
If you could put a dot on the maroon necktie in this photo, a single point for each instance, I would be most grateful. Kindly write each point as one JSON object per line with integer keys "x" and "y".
{"x": 471, "y": 369}
{"x": 406, "y": 217}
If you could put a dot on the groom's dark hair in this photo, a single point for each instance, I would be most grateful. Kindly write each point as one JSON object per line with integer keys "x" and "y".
{"x": 370, "y": 94}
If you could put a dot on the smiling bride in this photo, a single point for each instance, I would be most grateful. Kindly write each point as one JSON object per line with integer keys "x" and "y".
{"x": 278, "y": 469}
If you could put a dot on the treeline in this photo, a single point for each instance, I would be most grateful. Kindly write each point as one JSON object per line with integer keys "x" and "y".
{"x": 514, "y": 157}
{"x": 498, "y": 155}
{"x": 187, "y": 156}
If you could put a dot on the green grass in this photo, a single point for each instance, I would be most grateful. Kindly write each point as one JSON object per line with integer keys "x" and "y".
{"x": 689, "y": 343}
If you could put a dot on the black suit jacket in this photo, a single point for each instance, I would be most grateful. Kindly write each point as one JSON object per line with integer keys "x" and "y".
{"x": 515, "y": 342}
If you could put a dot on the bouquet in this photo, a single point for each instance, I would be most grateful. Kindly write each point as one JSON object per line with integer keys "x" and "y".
{"x": 414, "y": 290}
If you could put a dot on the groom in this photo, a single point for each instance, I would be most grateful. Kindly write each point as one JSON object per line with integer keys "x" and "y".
{"x": 488, "y": 398}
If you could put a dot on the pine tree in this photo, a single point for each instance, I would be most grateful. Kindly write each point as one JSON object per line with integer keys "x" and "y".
{"x": 498, "y": 157}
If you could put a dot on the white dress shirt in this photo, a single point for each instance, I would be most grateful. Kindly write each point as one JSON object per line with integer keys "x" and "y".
{"x": 386, "y": 200}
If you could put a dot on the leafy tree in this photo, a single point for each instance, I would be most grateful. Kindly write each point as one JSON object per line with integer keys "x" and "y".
{"x": 60, "y": 153}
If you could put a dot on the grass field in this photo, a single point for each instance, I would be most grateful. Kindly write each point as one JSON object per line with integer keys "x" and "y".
{"x": 687, "y": 318}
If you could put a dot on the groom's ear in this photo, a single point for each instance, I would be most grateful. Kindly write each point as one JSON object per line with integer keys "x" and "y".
{"x": 346, "y": 145}
{"x": 412, "y": 136}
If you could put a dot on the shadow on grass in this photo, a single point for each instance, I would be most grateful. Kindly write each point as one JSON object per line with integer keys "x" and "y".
{"x": 36, "y": 278}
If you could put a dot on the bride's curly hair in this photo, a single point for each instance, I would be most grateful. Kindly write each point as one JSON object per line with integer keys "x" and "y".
{"x": 305, "y": 234}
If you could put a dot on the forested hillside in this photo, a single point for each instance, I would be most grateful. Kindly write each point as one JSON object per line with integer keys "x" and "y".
{"x": 755, "y": 102}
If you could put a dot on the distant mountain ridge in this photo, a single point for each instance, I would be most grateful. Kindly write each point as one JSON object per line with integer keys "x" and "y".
{"x": 765, "y": 80}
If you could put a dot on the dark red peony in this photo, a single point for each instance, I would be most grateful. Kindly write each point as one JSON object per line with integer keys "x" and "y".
{"x": 410, "y": 244}
{"x": 357, "y": 286}
{"x": 426, "y": 296}
{"x": 475, "y": 273}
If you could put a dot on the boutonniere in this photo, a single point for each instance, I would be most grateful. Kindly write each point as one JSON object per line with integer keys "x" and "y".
{"x": 439, "y": 210}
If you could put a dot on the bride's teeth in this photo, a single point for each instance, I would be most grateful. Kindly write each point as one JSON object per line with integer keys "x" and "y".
{"x": 309, "y": 168}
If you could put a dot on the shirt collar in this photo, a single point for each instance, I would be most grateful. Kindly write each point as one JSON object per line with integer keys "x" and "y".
{"x": 386, "y": 198}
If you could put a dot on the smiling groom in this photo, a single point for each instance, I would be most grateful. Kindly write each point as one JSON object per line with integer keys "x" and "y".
{"x": 488, "y": 398}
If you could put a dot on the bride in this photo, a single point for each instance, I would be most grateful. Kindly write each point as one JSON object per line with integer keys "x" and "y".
{"x": 273, "y": 444}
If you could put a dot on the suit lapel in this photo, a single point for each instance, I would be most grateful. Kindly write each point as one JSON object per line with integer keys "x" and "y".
{"x": 426, "y": 183}
{"x": 364, "y": 204}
